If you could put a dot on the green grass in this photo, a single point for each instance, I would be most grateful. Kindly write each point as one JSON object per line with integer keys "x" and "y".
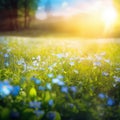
{"x": 91, "y": 68}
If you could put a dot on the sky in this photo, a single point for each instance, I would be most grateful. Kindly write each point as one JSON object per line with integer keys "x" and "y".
{"x": 68, "y": 8}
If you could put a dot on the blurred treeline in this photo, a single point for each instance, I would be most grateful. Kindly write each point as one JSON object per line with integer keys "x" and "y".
{"x": 16, "y": 14}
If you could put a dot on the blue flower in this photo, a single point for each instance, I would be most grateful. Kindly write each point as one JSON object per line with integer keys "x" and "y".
{"x": 39, "y": 113}
{"x": 33, "y": 78}
{"x": 50, "y": 102}
{"x": 101, "y": 95}
{"x": 55, "y": 80}
{"x": 6, "y": 55}
{"x": 5, "y": 89}
{"x": 64, "y": 89}
{"x": 35, "y": 104}
{"x": 110, "y": 102}
{"x": 37, "y": 81}
{"x": 48, "y": 86}
{"x": 50, "y": 75}
{"x": 73, "y": 89}
{"x": 60, "y": 77}
{"x": 61, "y": 83}
{"x": 51, "y": 115}
{"x": 41, "y": 88}
{"x": 15, "y": 90}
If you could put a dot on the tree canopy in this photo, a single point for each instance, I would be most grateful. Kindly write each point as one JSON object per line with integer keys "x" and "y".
{"x": 14, "y": 10}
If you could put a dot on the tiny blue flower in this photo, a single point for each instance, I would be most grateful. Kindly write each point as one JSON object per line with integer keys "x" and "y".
{"x": 33, "y": 78}
{"x": 6, "y": 55}
{"x": 6, "y": 64}
{"x": 72, "y": 63}
{"x": 15, "y": 90}
{"x": 73, "y": 89}
{"x": 48, "y": 86}
{"x": 50, "y": 102}
{"x": 37, "y": 81}
{"x": 102, "y": 95}
{"x": 61, "y": 83}
{"x": 39, "y": 113}
{"x": 110, "y": 102}
{"x": 60, "y": 56}
{"x": 35, "y": 104}
{"x": 5, "y": 89}
{"x": 64, "y": 89}
{"x": 51, "y": 115}
{"x": 60, "y": 77}
{"x": 55, "y": 80}
{"x": 41, "y": 88}
{"x": 50, "y": 75}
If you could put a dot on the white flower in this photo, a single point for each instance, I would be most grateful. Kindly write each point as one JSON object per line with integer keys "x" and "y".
{"x": 72, "y": 63}
{"x": 6, "y": 55}
{"x": 107, "y": 61}
{"x": 105, "y": 73}
{"x": 97, "y": 64}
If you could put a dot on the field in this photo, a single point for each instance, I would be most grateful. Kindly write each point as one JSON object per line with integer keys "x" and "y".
{"x": 59, "y": 79}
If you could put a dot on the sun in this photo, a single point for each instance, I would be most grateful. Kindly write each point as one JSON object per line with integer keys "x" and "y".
{"x": 109, "y": 16}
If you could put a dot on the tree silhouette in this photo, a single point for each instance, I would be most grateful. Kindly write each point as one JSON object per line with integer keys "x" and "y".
{"x": 12, "y": 10}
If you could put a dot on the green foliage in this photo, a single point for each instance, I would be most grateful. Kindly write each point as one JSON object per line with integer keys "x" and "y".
{"x": 59, "y": 80}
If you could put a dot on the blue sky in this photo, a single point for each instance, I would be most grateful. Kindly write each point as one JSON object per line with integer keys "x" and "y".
{"x": 71, "y": 7}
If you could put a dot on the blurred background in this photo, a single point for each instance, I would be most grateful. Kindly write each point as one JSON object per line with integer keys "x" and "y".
{"x": 82, "y": 18}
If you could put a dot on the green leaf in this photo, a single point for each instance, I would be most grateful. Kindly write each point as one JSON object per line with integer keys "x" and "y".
{"x": 33, "y": 92}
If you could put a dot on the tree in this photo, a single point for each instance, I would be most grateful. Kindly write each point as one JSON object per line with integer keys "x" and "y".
{"x": 11, "y": 9}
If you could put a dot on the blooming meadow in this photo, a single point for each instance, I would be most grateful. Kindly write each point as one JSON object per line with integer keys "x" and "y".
{"x": 48, "y": 79}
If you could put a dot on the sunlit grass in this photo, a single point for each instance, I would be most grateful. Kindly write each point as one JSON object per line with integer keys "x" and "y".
{"x": 65, "y": 78}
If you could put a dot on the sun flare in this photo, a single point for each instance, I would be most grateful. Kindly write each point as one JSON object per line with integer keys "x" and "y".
{"x": 109, "y": 16}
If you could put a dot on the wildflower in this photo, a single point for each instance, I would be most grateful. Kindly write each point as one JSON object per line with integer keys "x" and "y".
{"x": 98, "y": 57}
{"x": 105, "y": 73}
{"x": 21, "y": 61}
{"x": 50, "y": 68}
{"x": 38, "y": 58}
{"x": 50, "y": 102}
{"x": 35, "y": 104}
{"x": 55, "y": 80}
{"x": 48, "y": 86}
{"x": 41, "y": 88}
{"x": 60, "y": 56}
{"x": 101, "y": 95}
{"x": 6, "y": 55}
{"x": 39, "y": 113}
{"x": 50, "y": 75}
{"x": 110, "y": 102}
{"x": 75, "y": 71}
{"x": 51, "y": 115}
{"x": 6, "y": 64}
{"x": 73, "y": 89}
{"x": 35, "y": 63}
{"x": 64, "y": 89}
{"x": 60, "y": 83}
{"x": 37, "y": 81}
{"x": 118, "y": 69}
{"x": 60, "y": 77}
{"x": 72, "y": 63}
{"x": 15, "y": 91}
{"x": 117, "y": 79}
{"x": 97, "y": 64}
{"x": 107, "y": 60}
{"x": 5, "y": 89}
